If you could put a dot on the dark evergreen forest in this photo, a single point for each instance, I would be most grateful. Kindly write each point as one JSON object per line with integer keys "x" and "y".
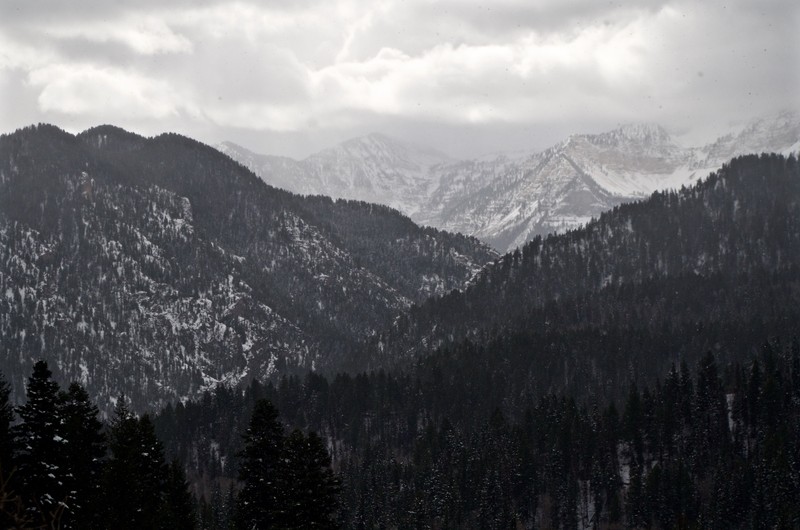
{"x": 714, "y": 446}
{"x": 641, "y": 401}
{"x": 640, "y": 372}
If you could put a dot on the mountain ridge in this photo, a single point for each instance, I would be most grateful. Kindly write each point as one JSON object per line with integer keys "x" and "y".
{"x": 730, "y": 244}
{"x": 507, "y": 200}
{"x": 157, "y": 267}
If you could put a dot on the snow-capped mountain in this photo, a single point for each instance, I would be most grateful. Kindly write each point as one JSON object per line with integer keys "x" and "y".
{"x": 374, "y": 168}
{"x": 778, "y": 133}
{"x": 507, "y": 200}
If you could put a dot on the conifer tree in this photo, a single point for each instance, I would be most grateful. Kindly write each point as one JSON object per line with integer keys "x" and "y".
{"x": 261, "y": 502}
{"x": 84, "y": 449}
{"x": 795, "y": 368}
{"x": 8, "y": 507}
{"x": 44, "y": 479}
{"x": 178, "y": 510}
{"x": 136, "y": 475}
{"x": 711, "y": 425}
{"x": 312, "y": 488}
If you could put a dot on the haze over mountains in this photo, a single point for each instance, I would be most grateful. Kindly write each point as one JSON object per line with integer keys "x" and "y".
{"x": 505, "y": 200}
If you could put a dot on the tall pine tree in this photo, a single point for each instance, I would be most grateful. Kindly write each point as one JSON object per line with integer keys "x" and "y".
{"x": 84, "y": 448}
{"x": 178, "y": 508}
{"x": 262, "y": 503}
{"x": 136, "y": 475}
{"x": 311, "y": 486}
{"x": 44, "y": 477}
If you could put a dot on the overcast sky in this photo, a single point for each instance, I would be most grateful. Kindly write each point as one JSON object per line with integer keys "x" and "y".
{"x": 293, "y": 76}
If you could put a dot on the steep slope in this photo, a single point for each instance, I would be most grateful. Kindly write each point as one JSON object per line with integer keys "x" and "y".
{"x": 719, "y": 256}
{"x": 159, "y": 267}
{"x": 568, "y": 367}
{"x": 507, "y": 203}
{"x": 548, "y": 192}
{"x": 373, "y": 168}
{"x": 286, "y": 173}
{"x": 507, "y": 200}
{"x": 779, "y": 133}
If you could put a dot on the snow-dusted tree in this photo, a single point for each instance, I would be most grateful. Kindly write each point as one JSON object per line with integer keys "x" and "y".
{"x": 310, "y": 484}
{"x": 84, "y": 449}
{"x": 43, "y": 475}
{"x": 136, "y": 474}
{"x": 262, "y": 503}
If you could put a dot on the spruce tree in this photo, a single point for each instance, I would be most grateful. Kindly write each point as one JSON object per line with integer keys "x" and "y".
{"x": 711, "y": 434}
{"x": 135, "y": 477}
{"x": 44, "y": 478}
{"x": 84, "y": 448}
{"x": 312, "y": 488}
{"x": 795, "y": 370}
{"x": 178, "y": 509}
{"x": 261, "y": 502}
{"x": 8, "y": 507}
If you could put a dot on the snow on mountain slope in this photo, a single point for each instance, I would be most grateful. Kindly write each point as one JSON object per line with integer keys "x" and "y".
{"x": 374, "y": 168}
{"x": 284, "y": 172}
{"x": 778, "y": 133}
{"x": 545, "y": 193}
{"x": 159, "y": 268}
{"x": 507, "y": 200}
{"x": 631, "y": 160}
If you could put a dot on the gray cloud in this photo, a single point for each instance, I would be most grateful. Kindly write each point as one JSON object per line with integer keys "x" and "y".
{"x": 466, "y": 76}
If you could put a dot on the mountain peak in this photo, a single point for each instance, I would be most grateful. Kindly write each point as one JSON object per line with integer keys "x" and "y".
{"x": 390, "y": 148}
{"x": 786, "y": 122}
{"x": 180, "y": 242}
{"x": 111, "y": 137}
{"x": 779, "y": 132}
{"x": 636, "y": 134}
{"x": 381, "y": 137}
{"x": 231, "y": 145}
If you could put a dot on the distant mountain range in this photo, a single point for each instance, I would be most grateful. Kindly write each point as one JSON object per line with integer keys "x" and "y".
{"x": 506, "y": 200}
{"x": 158, "y": 267}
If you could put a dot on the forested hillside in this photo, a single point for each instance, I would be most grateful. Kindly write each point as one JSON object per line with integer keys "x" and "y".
{"x": 714, "y": 445}
{"x": 159, "y": 267}
{"x": 641, "y": 372}
{"x": 713, "y": 267}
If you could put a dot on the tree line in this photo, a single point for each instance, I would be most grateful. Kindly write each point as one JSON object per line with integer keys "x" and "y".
{"x": 61, "y": 467}
{"x": 716, "y": 445}
{"x": 713, "y": 447}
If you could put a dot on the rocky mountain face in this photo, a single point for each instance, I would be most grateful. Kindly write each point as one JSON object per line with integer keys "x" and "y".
{"x": 373, "y": 168}
{"x": 506, "y": 200}
{"x": 159, "y": 267}
{"x": 558, "y": 189}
